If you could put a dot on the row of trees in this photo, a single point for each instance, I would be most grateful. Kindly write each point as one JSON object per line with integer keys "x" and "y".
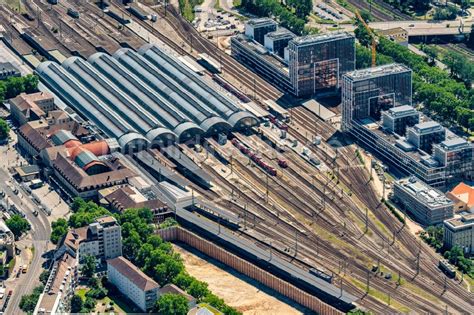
{"x": 444, "y": 96}
{"x": 146, "y": 250}
{"x": 13, "y": 86}
{"x": 28, "y": 302}
{"x": 292, "y": 15}
{"x": 407, "y": 5}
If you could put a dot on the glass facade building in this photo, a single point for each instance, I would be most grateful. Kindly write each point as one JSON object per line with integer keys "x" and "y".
{"x": 317, "y": 62}
{"x": 366, "y": 93}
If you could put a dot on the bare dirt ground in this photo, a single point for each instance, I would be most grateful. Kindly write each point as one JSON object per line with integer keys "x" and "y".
{"x": 237, "y": 290}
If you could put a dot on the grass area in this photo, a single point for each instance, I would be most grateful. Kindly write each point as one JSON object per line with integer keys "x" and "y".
{"x": 217, "y": 5}
{"x": 471, "y": 282}
{"x": 380, "y": 296}
{"x": 210, "y": 308}
{"x": 15, "y": 5}
{"x": 237, "y": 3}
{"x": 119, "y": 306}
{"x": 11, "y": 265}
{"x": 338, "y": 242}
{"x": 418, "y": 291}
{"x": 82, "y": 293}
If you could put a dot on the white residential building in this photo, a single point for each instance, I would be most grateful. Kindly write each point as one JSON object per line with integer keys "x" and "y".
{"x": 101, "y": 239}
{"x": 132, "y": 282}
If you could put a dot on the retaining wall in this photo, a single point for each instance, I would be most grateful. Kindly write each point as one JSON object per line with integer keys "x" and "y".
{"x": 284, "y": 288}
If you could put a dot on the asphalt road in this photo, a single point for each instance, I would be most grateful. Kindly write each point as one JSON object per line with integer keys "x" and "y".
{"x": 40, "y": 233}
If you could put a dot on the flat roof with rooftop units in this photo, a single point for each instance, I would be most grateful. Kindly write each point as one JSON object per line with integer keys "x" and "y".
{"x": 281, "y": 33}
{"x": 321, "y": 38}
{"x": 369, "y": 73}
{"x": 400, "y": 111}
{"x": 259, "y": 22}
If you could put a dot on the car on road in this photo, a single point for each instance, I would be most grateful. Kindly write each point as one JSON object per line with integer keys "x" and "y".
{"x": 411, "y": 25}
{"x": 25, "y": 269}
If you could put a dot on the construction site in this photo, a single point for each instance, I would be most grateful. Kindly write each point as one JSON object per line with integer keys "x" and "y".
{"x": 282, "y": 196}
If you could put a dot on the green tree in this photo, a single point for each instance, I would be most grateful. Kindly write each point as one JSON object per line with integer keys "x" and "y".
{"x": 17, "y": 225}
{"x": 28, "y": 302}
{"x": 76, "y": 304}
{"x": 59, "y": 229}
{"x": 131, "y": 245}
{"x": 4, "y": 129}
{"x": 172, "y": 304}
{"x": 198, "y": 289}
{"x": 470, "y": 41}
{"x": 30, "y": 83}
{"x": 44, "y": 276}
{"x": 88, "y": 266}
{"x": 89, "y": 305}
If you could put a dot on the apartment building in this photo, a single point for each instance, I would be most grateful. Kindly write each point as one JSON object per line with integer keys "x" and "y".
{"x": 459, "y": 231}
{"x": 101, "y": 239}
{"x": 427, "y": 205}
{"x": 133, "y": 283}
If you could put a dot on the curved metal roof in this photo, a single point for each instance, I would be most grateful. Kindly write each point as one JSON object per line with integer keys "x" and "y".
{"x": 242, "y": 120}
{"x": 133, "y": 141}
{"x": 181, "y": 74}
{"x": 215, "y": 125}
{"x": 111, "y": 95}
{"x": 173, "y": 92}
{"x": 187, "y": 130}
{"x": 84, "y": 158}
{"x": 81, "y": 99}
{"x": 161, "y": 137}
{"x": 62, "y": 136}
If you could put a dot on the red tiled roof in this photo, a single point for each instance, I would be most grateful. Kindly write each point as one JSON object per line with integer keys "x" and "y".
{"x": 133, "y": 273}
{"x": 464, "y": 193}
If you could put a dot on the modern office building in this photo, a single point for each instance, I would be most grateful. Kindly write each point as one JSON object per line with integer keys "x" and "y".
{"x": 317, "y": 62}
{"x": 259, "y": 60}
{"x": 133, "y": 283}
{"x": 101, "y": 239}
{"x": 397, "y": 119}
{"x": 456, "y": 155}
{"x": 303, "y": 66}
{"x": 256, "y": 29}
{"x": 277, "y": 41}
{"x": 460, "y": 232}
{"x": 368, "y": 92}
{"x": 424, "y": 135}
{"x": 403, "y": 138}
{"x": 427, "y": 205}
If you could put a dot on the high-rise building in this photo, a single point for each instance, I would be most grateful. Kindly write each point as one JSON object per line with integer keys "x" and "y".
{"x": 101, "y": 239}
{"x": 303, "y": 66}
{"x": 256, "y": 29}
{"x": 368, "y": 92}
{"x": 317, "y": 62}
